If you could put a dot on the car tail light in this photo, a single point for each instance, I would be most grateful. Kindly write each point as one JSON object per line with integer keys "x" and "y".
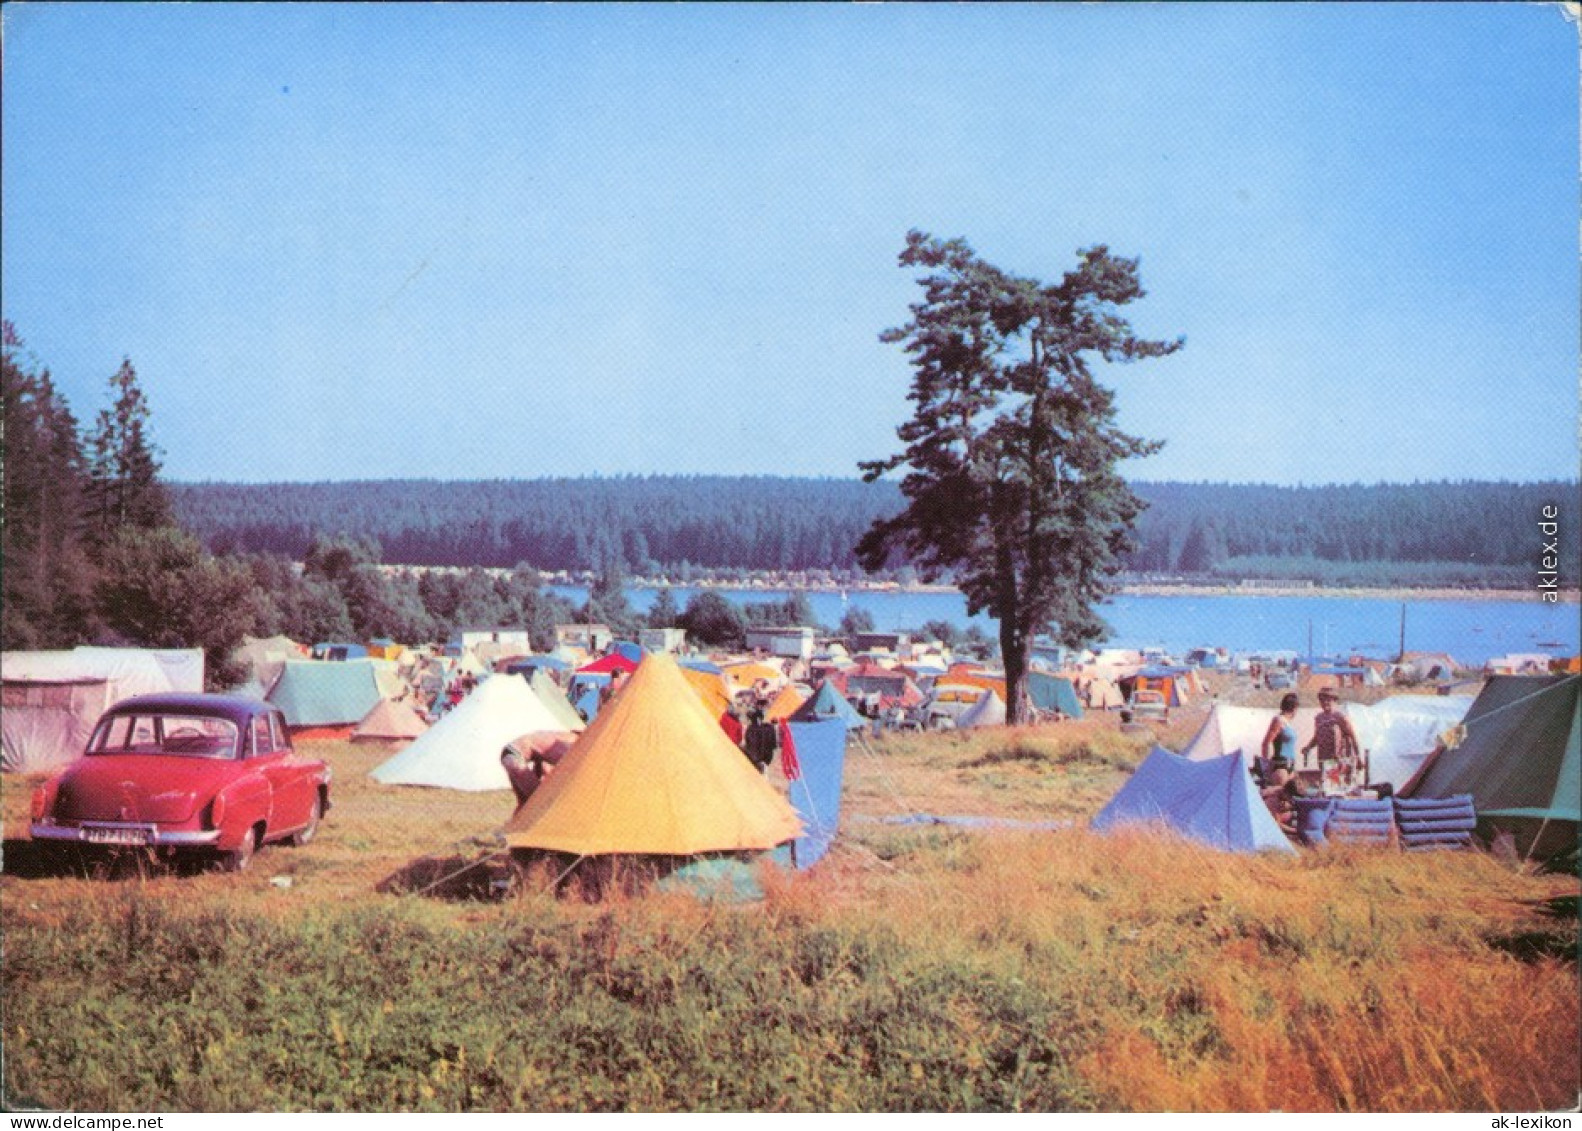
{"x": 217, "y": 810}
{"x": 40, "y": 802}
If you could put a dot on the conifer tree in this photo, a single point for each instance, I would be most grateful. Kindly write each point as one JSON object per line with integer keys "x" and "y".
{"x": 1012, "y": 452}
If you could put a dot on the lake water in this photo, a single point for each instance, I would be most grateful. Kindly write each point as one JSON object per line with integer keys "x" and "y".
{"x": 1471, "y": 631}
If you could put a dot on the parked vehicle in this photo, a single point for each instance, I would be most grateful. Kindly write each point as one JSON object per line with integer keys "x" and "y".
{"x": 1150, "y": 706}
{"x": 180, "y": 774}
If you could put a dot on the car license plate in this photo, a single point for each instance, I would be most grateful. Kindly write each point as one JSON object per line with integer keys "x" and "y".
{"x": 115, "y": 836}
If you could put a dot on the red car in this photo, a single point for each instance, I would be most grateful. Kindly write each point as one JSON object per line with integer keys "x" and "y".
{"x": 214, "y": 774}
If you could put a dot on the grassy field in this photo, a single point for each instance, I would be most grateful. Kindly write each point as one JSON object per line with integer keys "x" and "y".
{"x": 916, "y": 968}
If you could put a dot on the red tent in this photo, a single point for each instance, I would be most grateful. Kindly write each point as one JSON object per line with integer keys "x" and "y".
{"x": 609, "y": 665}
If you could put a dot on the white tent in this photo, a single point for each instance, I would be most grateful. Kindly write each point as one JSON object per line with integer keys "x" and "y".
{"x": 1396, "y": 733}
{"x": 1104, "y": 695}
{"x": 50, "y": 700}
{"x": 462, "y": 750}
{"x": 1399, "y": 732}
{"x": 988, "y": 711}
{"x": 1228, "y": 729}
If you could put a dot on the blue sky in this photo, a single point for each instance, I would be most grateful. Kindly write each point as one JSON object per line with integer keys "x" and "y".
{"x": 517, "y": 241}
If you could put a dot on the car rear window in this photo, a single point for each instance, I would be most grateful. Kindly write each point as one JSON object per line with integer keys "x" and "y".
{"x": 187, "y": 736}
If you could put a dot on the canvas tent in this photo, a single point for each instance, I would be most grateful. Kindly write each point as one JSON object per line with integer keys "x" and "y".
{"x": 462, "y": 750}
{"x": 1399, "y": 732}
{"x": 555, "y": 699}
{"x": 654, "y": 776}
{"x": 710, "y": 689}
{"x": 318, "y": 693}
{"x": 785, "y": 703}
{"x": 390, "y": 720}
{"x": 1213, "y": 802}
{"x": 1519, "y": 759}
{"x": 828, "y": 703}
{"x": 1396, "y": 733}
{"x": 1053, "y": 693}
{"x": 265, "y": 658}
{"x": 49, "y": 701}
{"x": 1103, "y": 694}
{"x": 815, "y": 791}
{"x": 1230, "y": 729}
{"x": 988, "y": 711}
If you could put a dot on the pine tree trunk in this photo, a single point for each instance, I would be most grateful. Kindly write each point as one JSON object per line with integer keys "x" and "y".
{"x": 1013, "y": 653}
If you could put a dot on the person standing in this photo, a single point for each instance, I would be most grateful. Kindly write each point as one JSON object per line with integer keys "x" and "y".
{"x": 1333, "y": 737}
{"x": 1279, "y": 741}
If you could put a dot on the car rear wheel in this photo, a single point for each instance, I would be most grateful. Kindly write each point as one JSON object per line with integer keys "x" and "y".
{"x": 241, "y": 856}
{"x": 304, "y": 835}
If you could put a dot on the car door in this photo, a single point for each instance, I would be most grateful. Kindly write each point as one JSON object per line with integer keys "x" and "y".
{"x": 277, "y": 764}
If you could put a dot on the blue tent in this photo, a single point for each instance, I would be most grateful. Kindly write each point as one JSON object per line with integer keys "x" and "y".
{"x": 828, "y": 703}
{"x": 1213, "y": 801}
{"x": 815, "y": 795}
{"x": 584, "y": 692}
{"x": 335, "y": 650}
{"x": 527, "y": 665}
{"x": 633, "y": 652}
{"x": 700, "y": 665}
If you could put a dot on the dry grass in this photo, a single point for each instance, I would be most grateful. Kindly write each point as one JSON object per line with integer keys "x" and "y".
{"x": 918, "y": 967}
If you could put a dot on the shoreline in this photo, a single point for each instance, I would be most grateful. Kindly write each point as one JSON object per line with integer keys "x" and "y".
{"x": 1143, "y": 589}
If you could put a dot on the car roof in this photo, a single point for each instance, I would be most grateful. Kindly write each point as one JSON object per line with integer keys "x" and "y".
{"x": 239, "y": 709}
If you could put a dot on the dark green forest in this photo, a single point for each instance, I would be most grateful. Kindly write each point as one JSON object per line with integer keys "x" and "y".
{"x": 99, "y": 548}
{"x": 1465, "y": 533}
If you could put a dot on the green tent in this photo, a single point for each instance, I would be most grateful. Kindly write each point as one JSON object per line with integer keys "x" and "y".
{"x": 322, "y": 693}
{"x": 1053, "y": 692}
{"x": 1520, "y": 759}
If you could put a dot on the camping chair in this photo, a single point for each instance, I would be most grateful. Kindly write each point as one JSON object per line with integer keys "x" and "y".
{"x": 1429, "y": 822}
{"x": 1361, "y": 820}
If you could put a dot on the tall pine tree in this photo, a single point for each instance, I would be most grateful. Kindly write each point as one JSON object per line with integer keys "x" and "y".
{"x": 1013, "y": 486}
{"x": 123, "y": 463}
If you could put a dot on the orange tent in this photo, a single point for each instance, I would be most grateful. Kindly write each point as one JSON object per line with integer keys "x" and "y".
{"x": 784, "y": 705}
{"x": 654, "y": 775}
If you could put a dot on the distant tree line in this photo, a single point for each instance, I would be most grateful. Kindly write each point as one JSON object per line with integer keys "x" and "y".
{"x": 1464, "y": 533}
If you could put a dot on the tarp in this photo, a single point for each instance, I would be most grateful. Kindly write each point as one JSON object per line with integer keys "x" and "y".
{"x": 828, "y": 703}
{"x": 50, "y": 701}
{"x": 1213, "y": 802}
{"x": 815, "y": 794}
{"x": 654, "y": 775}
{"x": 628, "y": 649}
{"x": 320, "y": 693}
{"x": 390, "y": 721}
{"x": 462, "y": 750}
{"x": 1520, "y": 759}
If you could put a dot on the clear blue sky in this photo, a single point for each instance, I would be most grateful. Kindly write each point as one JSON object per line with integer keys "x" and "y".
{"x": 519, "y": 241}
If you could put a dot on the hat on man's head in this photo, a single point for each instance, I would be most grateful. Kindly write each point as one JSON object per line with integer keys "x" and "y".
{"x": 1327, "y": 693}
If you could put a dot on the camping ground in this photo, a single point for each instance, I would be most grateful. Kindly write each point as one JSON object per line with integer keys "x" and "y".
{"x": 917, "y": 967}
